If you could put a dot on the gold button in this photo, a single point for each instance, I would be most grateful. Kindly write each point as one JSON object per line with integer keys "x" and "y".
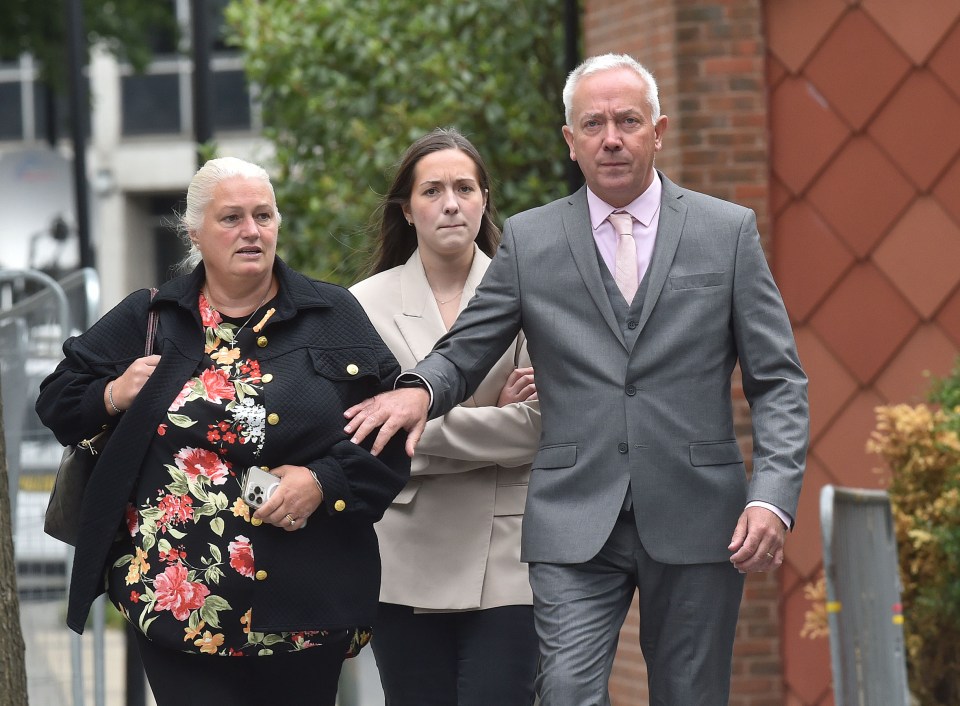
{"x": 262, "y": 341}
{"x": 339, "y": 506}
{"x": 256, "y": 521}
{"x": 352, "y": 369}
{"x": 268, "y": 377}
{"x": 273, "y": 418}
{"x": 265, "y": 468}
{"x": 261, "y": 575}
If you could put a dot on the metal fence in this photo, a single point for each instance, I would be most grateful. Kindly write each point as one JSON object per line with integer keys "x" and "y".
{"x": 863, "y": 598}
{"x": 36, "y": 314}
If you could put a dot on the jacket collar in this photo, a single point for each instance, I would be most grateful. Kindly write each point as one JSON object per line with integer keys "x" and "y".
{"x": 296, "y": 292}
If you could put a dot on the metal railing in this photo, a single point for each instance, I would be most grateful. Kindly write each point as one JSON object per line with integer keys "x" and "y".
{"x": 863, "y": 598}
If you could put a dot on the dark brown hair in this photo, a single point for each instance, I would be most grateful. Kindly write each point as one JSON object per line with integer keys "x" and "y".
{"x": 398, "y": 239}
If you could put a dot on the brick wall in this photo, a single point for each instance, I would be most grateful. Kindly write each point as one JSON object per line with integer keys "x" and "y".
{"x": 708, "y": 57}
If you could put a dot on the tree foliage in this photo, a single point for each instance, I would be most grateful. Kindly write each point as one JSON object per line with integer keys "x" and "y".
{"x": 125, "y": 27}
{"x": 347, "y": 85}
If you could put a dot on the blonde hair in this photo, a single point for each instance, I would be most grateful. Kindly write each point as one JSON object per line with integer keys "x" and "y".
{"x": 200, "y": 194}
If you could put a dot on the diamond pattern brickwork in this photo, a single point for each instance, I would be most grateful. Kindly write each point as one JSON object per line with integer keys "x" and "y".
{"x": 865, "y": 196}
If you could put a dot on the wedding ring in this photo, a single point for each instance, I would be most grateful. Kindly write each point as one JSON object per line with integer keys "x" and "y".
{"x": 770, "y": 555}
{"x": 293, "y": 520}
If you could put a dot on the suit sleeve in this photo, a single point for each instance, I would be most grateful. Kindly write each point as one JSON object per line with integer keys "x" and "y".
{"x": 480, "y": 436}
{"x": 773, "y": 381}
{"x": 480, "y": 335}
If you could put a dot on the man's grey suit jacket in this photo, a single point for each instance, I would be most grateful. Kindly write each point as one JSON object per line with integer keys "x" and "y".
{"x": 658, "y": 418}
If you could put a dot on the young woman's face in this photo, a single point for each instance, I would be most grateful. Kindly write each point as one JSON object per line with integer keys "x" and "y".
{"x": 238, "y": 236}
{"x": 447, "y": 203}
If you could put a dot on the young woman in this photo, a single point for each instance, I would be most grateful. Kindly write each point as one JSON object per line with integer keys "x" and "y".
{"x": 455, "y": 624}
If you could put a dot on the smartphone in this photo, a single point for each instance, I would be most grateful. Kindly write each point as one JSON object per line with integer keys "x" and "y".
{"x": 258, "y": 486}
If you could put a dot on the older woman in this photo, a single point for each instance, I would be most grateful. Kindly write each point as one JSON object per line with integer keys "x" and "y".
{"x": 255, "y": 365}
{"x": 455, "y": 626}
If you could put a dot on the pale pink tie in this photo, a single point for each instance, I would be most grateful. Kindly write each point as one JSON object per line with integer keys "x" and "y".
{"x": 625, "y": 269}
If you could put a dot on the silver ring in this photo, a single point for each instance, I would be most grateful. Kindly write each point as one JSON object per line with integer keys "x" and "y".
{"x": 771, "y": 555}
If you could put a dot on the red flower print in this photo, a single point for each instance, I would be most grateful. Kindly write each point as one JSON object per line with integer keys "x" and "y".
{"x": 254, "y": 370}
{"x": 177, "y": 510}
{"x": 132, "y": 519}
{"x": 213, "y": 435}
{"x": 241, "y": 556}
{"x": 208, "y": 315}
{"x": 230, "y": 437}
{"x": 162, "y": 430}
{"x": 134, "y": 596}
{"x": 217, "y": 386}
{"x": 176, "y": 594}
{"x": 200, "y": 462}
{"x": 182, "y": 397}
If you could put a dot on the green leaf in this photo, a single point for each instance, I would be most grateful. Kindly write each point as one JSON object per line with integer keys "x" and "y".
{"x": 216, "y": 524}
{"x": 181, "y": 420}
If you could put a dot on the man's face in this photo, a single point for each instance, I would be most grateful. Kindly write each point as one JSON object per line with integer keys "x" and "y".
{"x": 612, "y": 135}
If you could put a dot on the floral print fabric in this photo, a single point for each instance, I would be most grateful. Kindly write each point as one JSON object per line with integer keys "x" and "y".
{"x": 184, "y": 571}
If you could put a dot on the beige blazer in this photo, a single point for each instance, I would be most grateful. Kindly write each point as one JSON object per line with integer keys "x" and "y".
{"x": 451, "y": 539}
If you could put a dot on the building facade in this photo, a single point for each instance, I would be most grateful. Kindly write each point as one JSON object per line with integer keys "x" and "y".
{"x": 836, "y": 121}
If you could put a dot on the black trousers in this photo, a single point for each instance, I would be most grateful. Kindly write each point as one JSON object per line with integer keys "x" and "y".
{"x": 467, "y": 658}
{"x": 306, "y": 677}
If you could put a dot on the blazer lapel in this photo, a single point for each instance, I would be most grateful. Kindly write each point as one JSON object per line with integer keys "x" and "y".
{"x": 579, "y": 232}
{"x": 673, "y": 213}
{"x": 419, "y": 319}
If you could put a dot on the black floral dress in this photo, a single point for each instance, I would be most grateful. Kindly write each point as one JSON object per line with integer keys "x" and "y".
{"x": 183, "y": 573}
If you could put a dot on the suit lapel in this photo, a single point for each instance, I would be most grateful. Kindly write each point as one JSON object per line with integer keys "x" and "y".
{"x": 579, "y": 232}
{"x": 673, "y": 213}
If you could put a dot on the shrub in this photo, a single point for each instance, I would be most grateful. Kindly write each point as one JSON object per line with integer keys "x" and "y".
{"x": 921, "y": 446}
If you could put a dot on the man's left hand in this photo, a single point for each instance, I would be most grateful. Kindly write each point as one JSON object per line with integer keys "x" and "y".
{"x": 757, "y": 542}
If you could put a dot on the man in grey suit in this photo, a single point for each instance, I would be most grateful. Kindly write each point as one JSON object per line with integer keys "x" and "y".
{"x": 634, "y": 332}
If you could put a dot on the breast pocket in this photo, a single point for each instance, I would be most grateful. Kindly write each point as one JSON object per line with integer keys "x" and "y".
{"x": 700, "y": 280}
{"x": 345, "y": 364}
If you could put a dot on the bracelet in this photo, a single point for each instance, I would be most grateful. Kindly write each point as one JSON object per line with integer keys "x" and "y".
{"x": 113, "y": 404}
{"x": 317, "y": 480}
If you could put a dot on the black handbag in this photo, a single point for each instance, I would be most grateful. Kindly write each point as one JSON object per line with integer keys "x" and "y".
{"x": 62, "y": 518}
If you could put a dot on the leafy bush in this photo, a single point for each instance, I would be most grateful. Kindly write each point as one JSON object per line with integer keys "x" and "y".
{"x": 347, "y": 85}
{"x": 922, "y": 447}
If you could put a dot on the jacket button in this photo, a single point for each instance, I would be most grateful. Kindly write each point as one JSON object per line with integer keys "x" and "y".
{"x": 352, "y": 369}
{"x": 256, "y": 521}
{"x": 622, "y": 448}
{"x": 632, "y": 324}
{"x": 262, "y": 341}
{"x": 339, "y": 506}
{"x": 267, "y": 378}
{"x": 273, "y": 419}
{"x": 261, "y": 575}
{"x": 631, "y": 390}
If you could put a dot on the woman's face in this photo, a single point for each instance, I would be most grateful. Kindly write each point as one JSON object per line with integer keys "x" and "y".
{"x": 238, "y": 236}
{"x": 446, "y": 204}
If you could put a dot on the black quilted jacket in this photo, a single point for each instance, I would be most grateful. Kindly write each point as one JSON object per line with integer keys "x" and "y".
{"x": 325, "y": 576}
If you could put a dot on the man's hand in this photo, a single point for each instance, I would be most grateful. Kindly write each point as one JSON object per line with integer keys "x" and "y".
{"x": 757, "y": 542}
{"x": 404, "y": 408}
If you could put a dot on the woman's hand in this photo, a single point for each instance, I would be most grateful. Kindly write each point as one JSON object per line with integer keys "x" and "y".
{"x": 295, "y": 499}
{"x": 124, "y": 390}
{"x": 519, "y": 387}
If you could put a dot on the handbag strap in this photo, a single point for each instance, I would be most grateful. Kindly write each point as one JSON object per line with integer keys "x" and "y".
{"x": 152, "y": 318}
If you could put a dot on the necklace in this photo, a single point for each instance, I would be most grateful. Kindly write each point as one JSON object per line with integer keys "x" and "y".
{"x": 266, "y": 294}
{"x": 441, "y": 303}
